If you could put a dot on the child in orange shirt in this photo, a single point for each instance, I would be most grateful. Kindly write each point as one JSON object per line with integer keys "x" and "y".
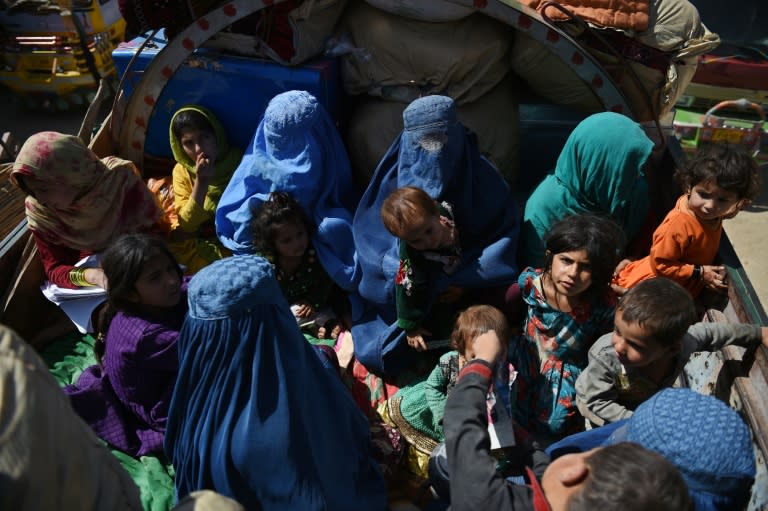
{"x": 718, "y": 183}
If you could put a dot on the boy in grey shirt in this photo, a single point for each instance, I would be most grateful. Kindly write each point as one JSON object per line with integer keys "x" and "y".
{"x": 653, "y": 338}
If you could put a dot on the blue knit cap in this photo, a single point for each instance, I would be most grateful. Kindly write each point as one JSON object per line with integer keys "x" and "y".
{"x": 704, "y": 438}
{"x": 233, "y": 285}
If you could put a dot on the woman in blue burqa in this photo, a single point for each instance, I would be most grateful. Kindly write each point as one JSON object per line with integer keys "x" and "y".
{"x": 296, "y": 149}
{"x": 600, "y": 170}
{"x": 436, "y": 153}
{"x": 256, "y": 415}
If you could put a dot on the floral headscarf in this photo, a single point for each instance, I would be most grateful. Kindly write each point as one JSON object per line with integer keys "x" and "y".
{"x": 112, "y": 199}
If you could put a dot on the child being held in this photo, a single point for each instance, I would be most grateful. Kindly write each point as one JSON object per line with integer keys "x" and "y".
{"x": 718, "y": 182}
{"x": 570, "y": 305}
{"x": 417, "y": 410}
{"x": 653, "y": 338}
{"x": 125, "y": 398}
{"x": 429, "y": 241}
{"x": 281, "y": 230}
{"x": 205, "y": 164}
{"x": 623, "y": 476}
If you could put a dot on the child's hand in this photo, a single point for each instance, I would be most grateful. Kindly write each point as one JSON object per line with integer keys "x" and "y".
{"x": 204, "y": 166}
{"x": 304, "y": 309}
{"x": 487, "y": 347}
{"x": 624, "y": 262}
{"x": 416, "y": 338}
{"x": 167, "y": 203}
{"x": 764, "y": 335}
{"x": 620, "y": 291}
{"x": 714, "y": 277}
{"x": 96, "y": 276}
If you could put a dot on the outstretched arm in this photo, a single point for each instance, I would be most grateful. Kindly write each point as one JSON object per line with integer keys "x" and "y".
{"x": 474, "y": 480}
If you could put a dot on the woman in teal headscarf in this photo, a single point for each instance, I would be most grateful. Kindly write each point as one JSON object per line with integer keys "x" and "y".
{"x": 600, "y": 170}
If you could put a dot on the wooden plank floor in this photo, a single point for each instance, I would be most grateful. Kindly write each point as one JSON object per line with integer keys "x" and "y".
{"x": 11, "y": 202}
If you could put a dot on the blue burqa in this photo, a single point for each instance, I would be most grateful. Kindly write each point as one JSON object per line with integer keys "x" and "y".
{"x": 436, "y": 153}
{"x": 296, "y": 149}
{"x": 255, "y": 415}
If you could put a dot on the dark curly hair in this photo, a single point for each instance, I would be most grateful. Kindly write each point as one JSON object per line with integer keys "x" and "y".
{"x": 269, "y": 216}
{"x": 729, "y": 167}
{"x": 662, "y": 307}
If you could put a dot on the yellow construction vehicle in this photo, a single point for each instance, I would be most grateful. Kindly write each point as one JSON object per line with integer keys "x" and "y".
{"x": 53, "y": 53}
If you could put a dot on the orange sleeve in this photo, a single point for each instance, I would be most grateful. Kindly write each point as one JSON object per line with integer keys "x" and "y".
{"x": 682, "y": 244}
{"x": 668, "y": 253}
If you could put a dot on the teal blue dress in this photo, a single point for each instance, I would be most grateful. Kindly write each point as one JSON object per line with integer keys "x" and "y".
{"x": 549, "y": 356}
{"x": 600, "y": 170}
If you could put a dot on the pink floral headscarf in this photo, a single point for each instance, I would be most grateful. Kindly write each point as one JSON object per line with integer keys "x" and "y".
{"x": 112, "y": 199}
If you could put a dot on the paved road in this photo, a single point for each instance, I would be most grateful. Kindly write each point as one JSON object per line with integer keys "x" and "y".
{"x": 23, "y": 122}
{"x": 748, "y": 233}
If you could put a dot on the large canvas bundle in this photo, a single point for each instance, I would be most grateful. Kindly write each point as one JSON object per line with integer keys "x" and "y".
{"x": 424, "y": 10}
{"x": 289, "y": 33}
{"x": 404, "y": 59}
{"x": 653, "y": 62}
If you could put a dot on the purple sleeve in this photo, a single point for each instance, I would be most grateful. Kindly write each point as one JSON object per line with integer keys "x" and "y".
{"x": 157, "y": 349}
{"x": 142, "y": 363}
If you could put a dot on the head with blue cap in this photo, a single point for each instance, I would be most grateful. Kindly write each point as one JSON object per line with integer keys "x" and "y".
{"x": 706, "y": 439}
{"x": 242, "y": 394}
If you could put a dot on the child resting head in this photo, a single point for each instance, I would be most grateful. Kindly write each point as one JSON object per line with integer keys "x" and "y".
{"x": 409, "y": 213}
{"x": 429, "y": 240}
{"x": 143, "y": 279}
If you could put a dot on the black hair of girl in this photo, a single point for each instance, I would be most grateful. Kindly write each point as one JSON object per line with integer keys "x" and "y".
{"x": 729, "y": 167}
{"x": 122, "y": 262}
{"x": 278, "y": 210}
{"x": 599, "y": 236}
{"x": 190, "y": 120}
